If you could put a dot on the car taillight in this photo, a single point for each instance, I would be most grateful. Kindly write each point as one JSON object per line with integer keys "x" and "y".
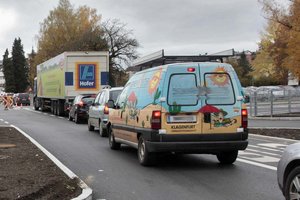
{"x": 244, "y": 118}
{"x": 106, "y": 110}
{"x": 156, "y": 119}
{"x": 80, "y": 103}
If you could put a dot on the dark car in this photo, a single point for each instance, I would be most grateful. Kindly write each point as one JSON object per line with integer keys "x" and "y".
{"x": 22, "y": 99}
{"x": 79, "y": 108}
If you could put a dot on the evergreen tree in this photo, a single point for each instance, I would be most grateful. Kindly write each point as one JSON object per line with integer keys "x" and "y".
{"x": 8, "y": 71}
{"x": 20, "y": 66}
{"x": 245, "y": 70}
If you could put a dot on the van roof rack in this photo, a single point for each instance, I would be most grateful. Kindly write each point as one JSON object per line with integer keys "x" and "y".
{"x": 159, "y": 58}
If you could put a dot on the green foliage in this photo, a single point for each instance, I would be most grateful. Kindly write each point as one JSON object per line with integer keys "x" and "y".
{"x": 20, "y": 66}
{"x": 15, "y": 69}
{"x": 175, "y": 109}
{"x": 8, "y": 71}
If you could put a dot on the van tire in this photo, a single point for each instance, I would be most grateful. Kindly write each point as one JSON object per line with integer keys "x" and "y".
{"x": 145, "y": 158}
{"x": 111, "y": 140}
{"x": 227, "y": 157}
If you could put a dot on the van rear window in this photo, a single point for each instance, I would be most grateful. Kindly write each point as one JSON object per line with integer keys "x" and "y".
{"x": 220, "y": 89}
{"x": 183, "y": 90}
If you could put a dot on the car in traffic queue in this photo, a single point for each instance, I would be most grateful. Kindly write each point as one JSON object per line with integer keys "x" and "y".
{"x": 181, "y": 108}
{"x": 21, "y": 99}
{"x": 99, "y": 111}
{"x": 288, "y": 172}
{"x": 78, "y": 110}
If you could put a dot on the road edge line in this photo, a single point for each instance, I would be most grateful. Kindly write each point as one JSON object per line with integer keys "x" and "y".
{"x": 256, "y": 164}
{"x": 279, "y": 138}
{"x": 86, "y": 190}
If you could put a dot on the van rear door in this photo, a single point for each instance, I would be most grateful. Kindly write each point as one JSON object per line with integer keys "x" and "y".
{"x": 182, "y": 101}
{"x": 221, "y": 108}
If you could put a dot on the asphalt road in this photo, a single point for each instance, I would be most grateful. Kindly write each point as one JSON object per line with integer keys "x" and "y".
{"x": 115, "y": 175}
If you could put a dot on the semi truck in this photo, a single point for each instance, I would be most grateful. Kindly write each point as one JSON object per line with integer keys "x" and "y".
{"x": 60, "y": 79}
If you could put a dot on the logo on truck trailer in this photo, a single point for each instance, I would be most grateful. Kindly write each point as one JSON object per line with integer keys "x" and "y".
{"x": 87, "y": 76}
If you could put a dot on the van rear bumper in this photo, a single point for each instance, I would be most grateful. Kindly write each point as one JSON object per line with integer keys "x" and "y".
{"x": 211, "y": 147}
{"x": 198, "y": 143}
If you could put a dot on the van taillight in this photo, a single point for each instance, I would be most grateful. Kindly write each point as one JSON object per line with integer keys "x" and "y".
{"x": 191, "y": 69}
{"x": 244, "y": 118}
{"x": 156, "y": 119}
{"x": 106, "y": 109}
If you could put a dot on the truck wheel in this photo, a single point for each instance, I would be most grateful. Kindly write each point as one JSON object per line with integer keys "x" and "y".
{"x": 35, "y": 105}
{"x": 112, "y": 143}
{"x": 70, "y": 117}
{"x": 90, "y": 127}
{"x": 145, "y": 158}
{"x": 227, "y": 157}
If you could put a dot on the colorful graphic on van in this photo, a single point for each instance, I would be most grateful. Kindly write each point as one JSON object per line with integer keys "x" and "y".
{"x": 156, "y": 96}
{"x": 209, "y": 109}
{"x": 132, "y": 102}
{"x": 174, "y": 109}
{"x": 220, "y": 120}
{"x": 154, "y": 82}
{"x": 220, "y": 79}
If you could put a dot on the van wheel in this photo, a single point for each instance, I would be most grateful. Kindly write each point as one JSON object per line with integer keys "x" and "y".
{"x": 227, "y": 157}
{"x": 145, "y": 158}
{"x": 90, "y": 127}
{"x": 101, "y": 131}
{"x": 112, "y": 143}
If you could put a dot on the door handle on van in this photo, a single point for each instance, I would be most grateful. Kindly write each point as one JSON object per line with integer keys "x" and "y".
{"x": 239, "y": 98}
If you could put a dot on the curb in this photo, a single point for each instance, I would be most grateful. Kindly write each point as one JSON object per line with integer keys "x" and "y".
{"x": 86, "y": 190}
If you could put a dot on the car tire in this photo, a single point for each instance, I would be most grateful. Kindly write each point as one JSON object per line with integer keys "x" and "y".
{"x": 227, "y": 157}
{"x": 90, "y": 127}
{"x": 76, "y": 118}
{"x": 112, "y": 143}
{"x": 70, "y": 117}
{"x": 145, "y": 157}
{"x": 102, "y": 132}
{"x": 289, "y": 187}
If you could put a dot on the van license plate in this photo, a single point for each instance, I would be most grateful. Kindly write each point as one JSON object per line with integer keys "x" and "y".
{"x": 182, "y": 119}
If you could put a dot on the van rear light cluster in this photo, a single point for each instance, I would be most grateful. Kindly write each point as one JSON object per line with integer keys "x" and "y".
{"x": 106, "y": 109}
{"x": 244, "y": 118}
{"x": 156, "y": 119}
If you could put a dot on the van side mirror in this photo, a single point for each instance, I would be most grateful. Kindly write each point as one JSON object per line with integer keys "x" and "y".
{"x": 111, "y": 104}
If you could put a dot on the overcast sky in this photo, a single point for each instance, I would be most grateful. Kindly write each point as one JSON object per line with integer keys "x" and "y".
{"x": 188, "y": 27}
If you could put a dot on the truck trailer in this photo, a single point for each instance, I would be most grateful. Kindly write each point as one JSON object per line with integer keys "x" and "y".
{"x": 60, "y": 79}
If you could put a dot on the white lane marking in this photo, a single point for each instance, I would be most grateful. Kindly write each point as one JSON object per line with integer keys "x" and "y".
{"x": 45, "y": 113}
{"x": 61, "y": 117}
{"x": 2, "y": 120}
{"x": 6, "y": 122}
{"x": 273, "y": 145}
{"x": 265, "y": 148}
{"x": 52, "y": 115}
{"x": 263, "y": 152}
{"x": 270, "y": 137}
{"x": 256, "y": 164}
{"x": 258, "y": 157}
{"x": 100, "y": 170}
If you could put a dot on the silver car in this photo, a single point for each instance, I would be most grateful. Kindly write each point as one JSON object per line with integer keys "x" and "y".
{"x": 288, "y": 172}
{"x": 98, "y": 111}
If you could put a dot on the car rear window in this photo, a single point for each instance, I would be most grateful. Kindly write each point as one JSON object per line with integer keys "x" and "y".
{"x": 220, "y": 89}
{"x": 88, "y": 101}
{"x": 113, "y": 95}
{"x": 183, "y": 90}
